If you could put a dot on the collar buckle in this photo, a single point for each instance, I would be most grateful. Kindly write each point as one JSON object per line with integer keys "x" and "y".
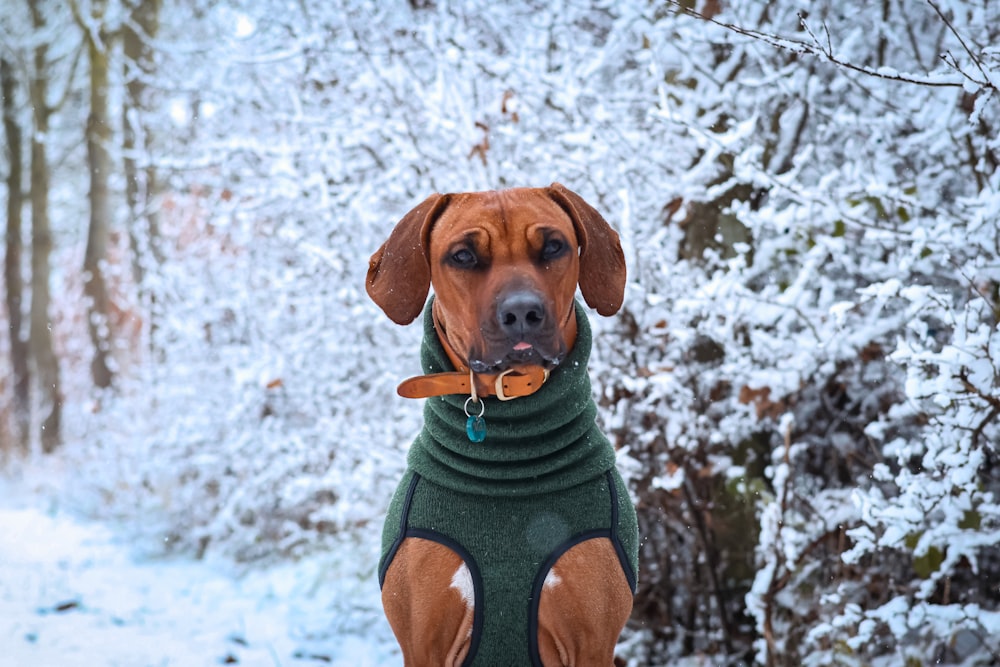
{"x": 498, "y": 386}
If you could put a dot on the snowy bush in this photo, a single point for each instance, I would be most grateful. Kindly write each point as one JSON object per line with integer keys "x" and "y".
{"x": 817, "y": 345}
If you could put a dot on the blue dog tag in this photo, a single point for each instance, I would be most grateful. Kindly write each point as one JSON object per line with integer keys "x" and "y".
{"x": 475, "y": 428}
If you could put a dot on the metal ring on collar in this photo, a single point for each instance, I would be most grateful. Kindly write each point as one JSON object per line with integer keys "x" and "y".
{"x": 482, "y": 406}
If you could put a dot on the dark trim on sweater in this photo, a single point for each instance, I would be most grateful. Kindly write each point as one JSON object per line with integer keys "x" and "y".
{"x": 478, "y": 611}
{"x": 404, "y": 521}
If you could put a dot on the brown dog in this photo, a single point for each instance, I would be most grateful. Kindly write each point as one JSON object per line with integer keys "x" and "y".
{"x": 520, "y": 549}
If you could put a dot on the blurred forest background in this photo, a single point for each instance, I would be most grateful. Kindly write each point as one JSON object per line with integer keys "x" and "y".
{"x": 804, "y": 381}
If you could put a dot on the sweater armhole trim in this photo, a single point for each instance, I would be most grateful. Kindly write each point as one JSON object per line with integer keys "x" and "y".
{"x": 539, "y": 583}
{"x": 623, "y": 558}
{"x": 477, "y": 581}
{"x": 404, "y": 520}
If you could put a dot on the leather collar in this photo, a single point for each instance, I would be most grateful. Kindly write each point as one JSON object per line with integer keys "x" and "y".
{"x": 512, "y": 383}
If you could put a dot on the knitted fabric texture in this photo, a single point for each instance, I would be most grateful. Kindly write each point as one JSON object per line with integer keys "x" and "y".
{"x": 543, "y": 481}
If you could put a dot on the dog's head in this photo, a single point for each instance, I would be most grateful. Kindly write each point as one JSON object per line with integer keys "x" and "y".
{"x": 505, "y": 266}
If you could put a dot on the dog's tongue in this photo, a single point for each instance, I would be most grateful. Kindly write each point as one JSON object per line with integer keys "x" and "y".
{"x": 522, "y": 346}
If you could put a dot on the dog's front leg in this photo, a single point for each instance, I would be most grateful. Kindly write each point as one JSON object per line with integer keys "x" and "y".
{"x": 584, "y": 605}
{"x": 428, "y": 598}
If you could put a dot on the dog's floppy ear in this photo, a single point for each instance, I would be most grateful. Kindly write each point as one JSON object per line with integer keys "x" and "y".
{"x": 602, "y": 262}
{"x": 399, "y": 273}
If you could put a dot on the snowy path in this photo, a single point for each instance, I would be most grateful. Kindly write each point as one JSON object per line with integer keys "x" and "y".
{"x": 71, "y": 594}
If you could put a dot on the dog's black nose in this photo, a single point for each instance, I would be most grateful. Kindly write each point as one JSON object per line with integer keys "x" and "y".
{"x": 520, "y": 313}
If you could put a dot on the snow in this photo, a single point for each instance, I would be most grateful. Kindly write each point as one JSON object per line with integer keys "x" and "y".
{"x": 75, "y": 592}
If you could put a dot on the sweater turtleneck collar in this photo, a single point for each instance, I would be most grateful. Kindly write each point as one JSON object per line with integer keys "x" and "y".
{"x": 536, "y": 444}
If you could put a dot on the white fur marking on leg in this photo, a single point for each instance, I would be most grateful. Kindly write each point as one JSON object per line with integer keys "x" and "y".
{"x": 462, "y": 582}
{"x": 552, "y": 579}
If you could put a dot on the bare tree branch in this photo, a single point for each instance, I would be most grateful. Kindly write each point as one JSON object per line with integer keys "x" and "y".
{"x": 975, "y": 59}
{"x": 826, "y": 52}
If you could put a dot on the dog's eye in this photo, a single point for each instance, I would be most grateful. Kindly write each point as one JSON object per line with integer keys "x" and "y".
{"x": 553, "y": 248}
{"x": 464, "y": 258}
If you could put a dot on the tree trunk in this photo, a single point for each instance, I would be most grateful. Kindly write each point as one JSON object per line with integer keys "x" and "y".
{"x": 99, "y": 163}
{"x": 40, "y": 337}
{"x": 140, "y": 179}
{"x": 13, "y": 279}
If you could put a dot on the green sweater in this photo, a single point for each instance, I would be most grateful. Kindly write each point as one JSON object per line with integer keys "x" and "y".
{"x": 543, "y": 481}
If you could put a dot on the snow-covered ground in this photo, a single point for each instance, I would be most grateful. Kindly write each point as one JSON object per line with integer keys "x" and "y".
{"x": 75, "y": 592}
